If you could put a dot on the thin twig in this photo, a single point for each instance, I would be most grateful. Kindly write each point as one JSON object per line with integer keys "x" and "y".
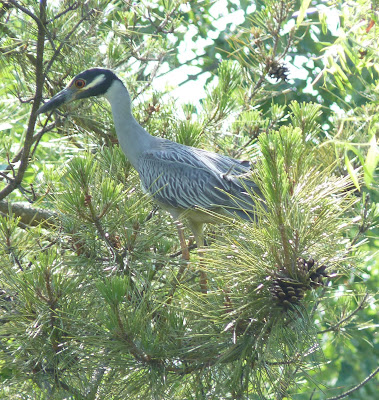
{"x": 8, "y": 178}
{"x": 152, "y": 74}
{"x": 27, "y": 12}
{"x": 364, "y": 226}
{"x": 355, "y": 388}
{"x": 96, "y": 220}
{"x": 38, "y": 136}
{"x": 165, "y": 21}
{"x": 180, "y": 252}
{"x": 17, "y": 157}
{"x": 351, "y": 315}
{"x": 126, "y": 337}
{"x": 64, "y": 41}
{"x": 296, "y": 358}
{"x": 313, "y": 392}
{"x": 72, "y": 7}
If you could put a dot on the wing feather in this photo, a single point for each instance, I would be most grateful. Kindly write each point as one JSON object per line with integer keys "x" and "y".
{"x": 185, "y": 177}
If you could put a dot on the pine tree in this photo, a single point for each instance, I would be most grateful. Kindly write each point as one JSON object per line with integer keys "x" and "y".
{"x": 95, "y": 299}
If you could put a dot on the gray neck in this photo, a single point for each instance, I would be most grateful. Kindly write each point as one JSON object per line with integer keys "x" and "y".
{"x": 132, "y": 137}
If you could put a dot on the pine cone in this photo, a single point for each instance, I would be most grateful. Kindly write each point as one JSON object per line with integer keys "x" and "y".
{"x": 287, "y": 291}
{"x": 289, "y": 288}
{"x": 278, "y": 71}
{"x": 314, "y": 272}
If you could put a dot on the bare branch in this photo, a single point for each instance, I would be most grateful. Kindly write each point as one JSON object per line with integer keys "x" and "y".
{"x": 27, "y": 12}
{"x": 355, "y": 388}
{"x": 24, "y": 162}
{"x": 5, "y": 176}
{"x": 29, "y": 216}
{"x": 72, "y": 7}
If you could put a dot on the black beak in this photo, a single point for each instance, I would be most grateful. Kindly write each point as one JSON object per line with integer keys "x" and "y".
{"x": 64, "y": 96}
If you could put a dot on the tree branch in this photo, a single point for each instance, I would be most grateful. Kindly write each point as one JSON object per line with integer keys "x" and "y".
{"x": 29, "y": 216}
{"x": 355, "y": 388}
{"x": 72, "y": 7}
{"x": 349, "y": 316}
{"x": 41, "y": 22}
{"x": 36, "y": 138}
{"x": 65, "y": 40}
{"x": 137, "y": 353}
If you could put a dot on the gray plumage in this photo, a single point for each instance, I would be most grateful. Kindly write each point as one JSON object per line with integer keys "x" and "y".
{"x": 182, "y": 179}
{"x": 185, "y": 178}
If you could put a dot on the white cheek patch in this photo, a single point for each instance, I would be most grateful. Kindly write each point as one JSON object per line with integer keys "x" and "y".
{"x": 97, "y": 81}
{"x": 71, "y": 83}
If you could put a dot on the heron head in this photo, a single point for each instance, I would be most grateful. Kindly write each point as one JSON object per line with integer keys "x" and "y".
{"x": 91, "y": 82}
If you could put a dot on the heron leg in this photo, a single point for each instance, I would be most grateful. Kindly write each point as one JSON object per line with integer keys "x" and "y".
{"x": 185, "y": 257}
{"x": 182, "y": 240}
{"x": 197, "y": 229}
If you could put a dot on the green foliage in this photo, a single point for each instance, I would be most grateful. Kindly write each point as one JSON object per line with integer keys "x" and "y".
{"x": 305, "y": 117}
{"x": 98, "y": 303}
{"x": 298, "y": 220}
{"x": 220, "y": 102}
{"x": 304, "y": 206}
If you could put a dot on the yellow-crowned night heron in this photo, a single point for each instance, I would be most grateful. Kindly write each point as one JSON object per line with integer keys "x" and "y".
{"x": 184, "y": 180}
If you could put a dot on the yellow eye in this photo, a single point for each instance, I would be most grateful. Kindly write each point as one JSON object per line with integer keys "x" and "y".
{"x": 80, "y": 83}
